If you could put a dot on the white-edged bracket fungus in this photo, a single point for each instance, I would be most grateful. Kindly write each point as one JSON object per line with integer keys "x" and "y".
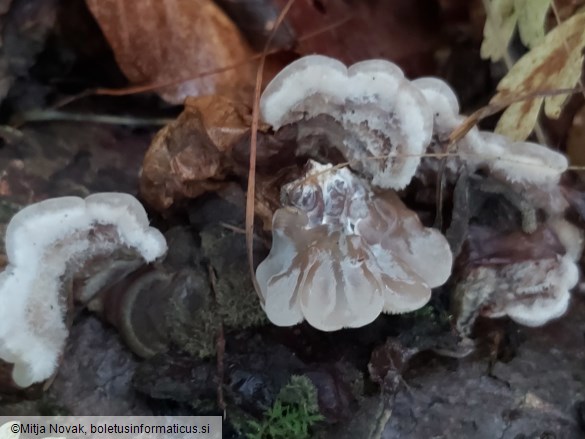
{"x": 342, "y": 254}
{"x": 48, "y": 244}
{"x": 383, "y": 123}
{"x": 524, "y": 162}
{"x": 375, "y": 117}
{"x": 529, "y": 168}
{"x": 525, "y": 277}
{"x": 514, "y": 162}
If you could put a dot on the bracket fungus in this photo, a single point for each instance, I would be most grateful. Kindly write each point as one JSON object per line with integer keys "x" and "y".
{"x": 375, "y": 117}
{"x": 342, "y": 254}
{"x": 530, "y": 168}
{"x": 49, "y": 246}
{"x": 527, "y": 277}
{"x": 343, "y": 250}
{"x": 382, "y": 123}
{"x": 524, "y": 163}
{"x": 444, "y": 106}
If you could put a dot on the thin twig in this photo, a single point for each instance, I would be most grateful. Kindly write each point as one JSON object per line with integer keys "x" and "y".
{"x": 52, "y": 115}
{"x": 253, "y": 142}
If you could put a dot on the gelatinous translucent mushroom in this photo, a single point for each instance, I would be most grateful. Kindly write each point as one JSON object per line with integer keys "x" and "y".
{"x": 369, "y": 112}
{"x": 342, "y": 254}
{"x": 50, "y": 245}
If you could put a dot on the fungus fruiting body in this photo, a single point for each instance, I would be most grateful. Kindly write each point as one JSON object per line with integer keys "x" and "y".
{"x": 382, "y": 123}
{"x": 525, "y": 277}
{"x": 342, "y": 254}
{"x": 514, "y": 162}
{"x": 375, "y": 117}
{"x": 49, "y": 245}
{"x": 344, "y": 250}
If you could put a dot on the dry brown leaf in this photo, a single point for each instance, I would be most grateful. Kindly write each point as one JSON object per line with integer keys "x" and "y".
{"x": 204, "y": 149}
{"x": 207, "y": 149}
{"x": 182, "y": 162}
{"x": 166, "y": 40}
{"x": 554, "y": 64}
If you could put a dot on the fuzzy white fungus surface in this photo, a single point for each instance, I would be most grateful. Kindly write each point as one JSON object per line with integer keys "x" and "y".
{"x": 385, "y": 120}
{"x": 46, "y": 244}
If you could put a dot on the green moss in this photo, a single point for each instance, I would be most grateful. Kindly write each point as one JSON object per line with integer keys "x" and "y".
{"x": 426, "y": 312}
{"x": 237, "y": 301}
{"x": 292, "y": 415}
{"x": 430, "y": 316}
{"x": 194, "y": 324}
{"x": 195, "y": 312}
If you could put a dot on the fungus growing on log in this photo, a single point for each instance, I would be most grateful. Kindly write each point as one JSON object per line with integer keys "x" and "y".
{"x": 50, "y": 246}
{"x": 444, "y": 106}
{"x": 342, "y": 254}
{"x": 382, "y": 123}
{"x": 524, "y": 162}
{"x": 375, "y": 117}
{"x": 527, "y": 277}
{"x": 513, "y": 162}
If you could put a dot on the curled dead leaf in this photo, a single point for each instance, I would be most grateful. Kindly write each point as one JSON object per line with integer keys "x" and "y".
{"x": 225, "y": 121}
{"x": 206, "y": 148}
{"x": 166, "y": 40}
{"x": 183, "y": 161}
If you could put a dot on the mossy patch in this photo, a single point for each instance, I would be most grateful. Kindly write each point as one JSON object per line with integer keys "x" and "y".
{"x": 293, "y": 414}
{"x": 237, "y": 301}
{"x": 196, "y": 311}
